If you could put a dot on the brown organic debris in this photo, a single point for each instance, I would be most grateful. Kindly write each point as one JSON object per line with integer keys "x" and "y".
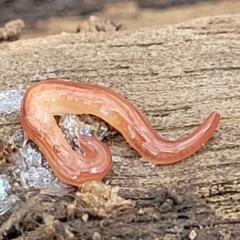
{"x": 9, "y": 153}
{"x": 100, "y": 129}
{"x": 100, "y": 200}
{"x": 12, "y": 30}
{"x": 94, "y": 24}
{"x": 19, "y": 215}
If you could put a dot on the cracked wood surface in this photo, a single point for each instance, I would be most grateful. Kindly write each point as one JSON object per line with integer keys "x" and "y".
{"x": 176, "y": 76}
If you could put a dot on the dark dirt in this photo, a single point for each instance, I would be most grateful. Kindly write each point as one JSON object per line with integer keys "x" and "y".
{"x": 160, "y": 213}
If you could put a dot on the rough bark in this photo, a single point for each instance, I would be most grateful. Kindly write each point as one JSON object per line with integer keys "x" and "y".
{"x": 176, "y": 76}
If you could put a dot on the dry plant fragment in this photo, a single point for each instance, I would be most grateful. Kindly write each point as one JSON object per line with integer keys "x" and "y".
{"x": 100, "y": 129}
{"x": 12, "y": 30}
{"x": 94, "y": 24}
{"x": 5, "y": 151}
{"x": 99, "y": 199}
{"x": 55, "y": 228}
{"x": 9, "y": 153}
{"x": 18, "y": 215}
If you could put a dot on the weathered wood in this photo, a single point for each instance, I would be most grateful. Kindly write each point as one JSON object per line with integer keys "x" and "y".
{"x": 176, "y": 76}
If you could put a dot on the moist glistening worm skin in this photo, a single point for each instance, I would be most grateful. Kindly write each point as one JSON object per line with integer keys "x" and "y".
{"x": 45, "y": 99}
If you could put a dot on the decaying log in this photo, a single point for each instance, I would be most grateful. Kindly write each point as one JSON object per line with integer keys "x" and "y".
{"x": 176, "y": 76}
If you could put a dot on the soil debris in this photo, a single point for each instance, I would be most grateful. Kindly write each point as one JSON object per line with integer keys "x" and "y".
{"x": 100, "y": 200}
{"x": 94, "y": 24}
{"x": 12, "y": 30}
